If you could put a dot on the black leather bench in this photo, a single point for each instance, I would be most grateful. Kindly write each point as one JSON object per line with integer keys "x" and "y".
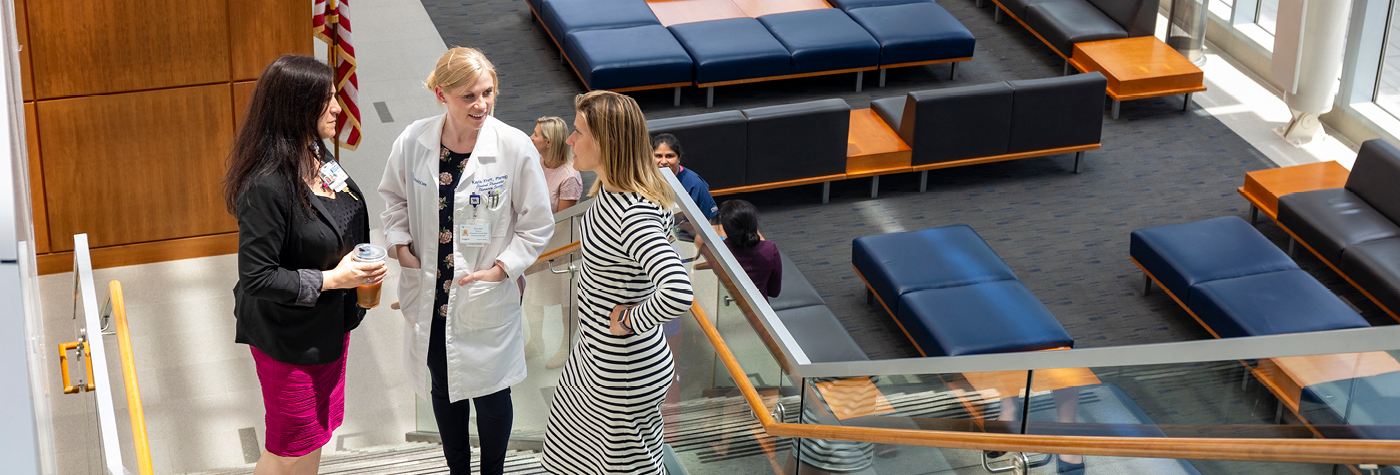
{"x": 816, "y": 330}
{"x": 999, "y": 121}
{"x": 1354, "y": 228}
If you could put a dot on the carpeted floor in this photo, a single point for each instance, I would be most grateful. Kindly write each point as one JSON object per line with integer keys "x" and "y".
{"x": 1065, "y": 235}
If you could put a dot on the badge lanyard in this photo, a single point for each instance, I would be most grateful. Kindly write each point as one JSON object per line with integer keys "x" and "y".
{"x": 476, "y": 232}
{"x": 334, "y": 178}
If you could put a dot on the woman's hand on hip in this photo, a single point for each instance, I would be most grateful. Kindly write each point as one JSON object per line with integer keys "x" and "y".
{"x": 349, "y": 274}
{"x": 406, "y": 258}
{"x": 617, "y": 321}
{"x": 495, "y": 274}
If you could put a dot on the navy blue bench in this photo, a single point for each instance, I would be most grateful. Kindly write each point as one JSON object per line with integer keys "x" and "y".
{"x": 621, "y": 45}
{"x": 1235, "y": 282}
{"x": 952, "y": 295}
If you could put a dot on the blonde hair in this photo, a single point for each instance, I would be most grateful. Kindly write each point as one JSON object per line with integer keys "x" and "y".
{"x": 554, "y": 131}
{"x": 462, "y": 66}
{"x": 624, "y": 149}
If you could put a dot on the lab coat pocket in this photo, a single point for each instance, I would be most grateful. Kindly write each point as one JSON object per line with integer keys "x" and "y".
{"x": 410, "y": 291}
{"x": 486, "y": 305}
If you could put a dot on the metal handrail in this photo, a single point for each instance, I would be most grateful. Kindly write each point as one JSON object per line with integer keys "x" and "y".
{"x": 133, "y": 391}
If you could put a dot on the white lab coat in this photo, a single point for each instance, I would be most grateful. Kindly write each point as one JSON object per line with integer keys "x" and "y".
{"x": 485, "y": 342}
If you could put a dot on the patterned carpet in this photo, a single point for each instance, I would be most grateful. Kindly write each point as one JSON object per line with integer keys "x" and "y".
{"x": 1065, "y": 235}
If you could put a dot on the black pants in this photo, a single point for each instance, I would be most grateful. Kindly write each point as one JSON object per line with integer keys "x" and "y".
{"x": 493, "y": 415}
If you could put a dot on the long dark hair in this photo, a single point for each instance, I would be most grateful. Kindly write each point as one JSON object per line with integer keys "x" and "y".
{"x": 740, "y": 221}
{"x": 279, "y": 129}
{"x": 671, "y": 142}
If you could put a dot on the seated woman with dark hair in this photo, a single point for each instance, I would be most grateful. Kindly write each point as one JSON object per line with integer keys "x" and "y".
{"x": 666, "y": 149}
{"x": 759, "y": 257}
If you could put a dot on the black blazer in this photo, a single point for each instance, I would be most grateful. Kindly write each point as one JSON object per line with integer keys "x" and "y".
{"x": 275, "y": 241}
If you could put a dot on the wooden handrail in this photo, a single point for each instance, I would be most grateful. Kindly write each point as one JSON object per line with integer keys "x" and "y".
{"x": 1252, "y": 449}
{"x": 133, "y": 391}
{"x": 562, "y": 251}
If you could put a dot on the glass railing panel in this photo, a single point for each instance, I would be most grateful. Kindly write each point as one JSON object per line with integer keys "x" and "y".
{"x": 1330, "y": 396}
{"x": 970, "y": 402}
{"x": 708, "y": 422}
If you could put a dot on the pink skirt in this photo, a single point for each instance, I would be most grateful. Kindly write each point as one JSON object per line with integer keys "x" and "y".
{"x": 304, "y": 404}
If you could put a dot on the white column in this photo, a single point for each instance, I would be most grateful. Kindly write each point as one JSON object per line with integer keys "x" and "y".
{"x": 1308, "y": 45}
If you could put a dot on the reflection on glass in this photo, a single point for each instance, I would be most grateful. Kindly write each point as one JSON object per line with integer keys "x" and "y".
{"x": 1388, "y": 80}
{"x": 1267, "y": 15}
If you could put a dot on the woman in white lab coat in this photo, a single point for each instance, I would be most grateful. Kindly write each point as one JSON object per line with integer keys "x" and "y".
{"x": 468, "y": 211}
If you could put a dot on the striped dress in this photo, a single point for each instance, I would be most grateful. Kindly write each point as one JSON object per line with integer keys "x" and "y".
{"x": 606, "y": 413}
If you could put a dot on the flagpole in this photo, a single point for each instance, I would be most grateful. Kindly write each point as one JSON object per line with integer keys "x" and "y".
{"x": 333, "y": 16}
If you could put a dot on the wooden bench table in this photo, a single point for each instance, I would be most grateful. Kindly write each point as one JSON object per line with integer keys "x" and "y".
{"x": 1139, "y": 68}
{"x": 874, "y": 149}
{"x": 1262, "y": 188}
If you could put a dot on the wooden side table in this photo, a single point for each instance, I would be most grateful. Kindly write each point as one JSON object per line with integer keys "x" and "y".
{"x": 1139, "y": 68}
{"x": 874, "y": 149}
{"x": 1263, "y": 187}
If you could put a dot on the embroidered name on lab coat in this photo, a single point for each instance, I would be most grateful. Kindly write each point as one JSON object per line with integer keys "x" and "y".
{"x": 492, "y": 183}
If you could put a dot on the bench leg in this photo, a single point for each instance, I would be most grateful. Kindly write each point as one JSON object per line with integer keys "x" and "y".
{"x": 860, "y": 79}
{"x": 954, "y": 73}
{"x": 676, "y": 102}
{"x": 1146, "y": 285}
{"x": 1278, "y": 413}
{"x": 923, "y": 181}
{"x": 1078, "y": 156}
{"x": 869, "y": 296}
{"x": 1186, "y": 103}
{"x": 1066, "y": 69}
{"x": 709, "y": 97}
{"x": 826, "y": 192}
{"x": 875, "y": 186}
{"x": 979, "y": 3}
{"x": 882, "y": 76}
{"x": 1116, "y": 103}
{"x": 1253, "y": 214}
{"x": 1292, "y": 245}
{"x": 996, "y": 16}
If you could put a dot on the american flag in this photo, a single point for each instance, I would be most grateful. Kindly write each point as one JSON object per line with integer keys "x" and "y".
{"x": 331, "y": 23}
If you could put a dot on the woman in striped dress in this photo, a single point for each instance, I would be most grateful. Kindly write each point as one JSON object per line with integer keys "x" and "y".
{"x": 606, "y": 412}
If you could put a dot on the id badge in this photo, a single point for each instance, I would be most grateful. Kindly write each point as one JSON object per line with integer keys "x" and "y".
{"x": 334, "y": 176}
{"x": 474, "y": 233}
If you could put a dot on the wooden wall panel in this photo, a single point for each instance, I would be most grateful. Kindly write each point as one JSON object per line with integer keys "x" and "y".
{"x": 97, "y": 47}
{"x": 22, "y": 33}
{"x": 136, "y": 167}
{"x": 262, "y": 30}
{"x": 36, "y": 181}
{"x": 242, "y": 93}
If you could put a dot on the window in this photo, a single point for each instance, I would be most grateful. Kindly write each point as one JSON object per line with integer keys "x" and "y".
{"x": 1387, "y": 94}
{"x": 1222, "y": 8}
{"x": 1267, "y": 15}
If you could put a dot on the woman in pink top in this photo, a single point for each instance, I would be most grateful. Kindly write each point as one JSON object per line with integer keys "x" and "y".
{"x": 565, "y": 187}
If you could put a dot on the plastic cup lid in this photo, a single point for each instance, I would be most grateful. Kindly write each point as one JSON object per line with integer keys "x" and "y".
{"x": 370, "y": 252}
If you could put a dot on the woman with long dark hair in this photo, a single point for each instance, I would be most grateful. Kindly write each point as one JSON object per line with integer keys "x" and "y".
{"x": 299, "y": 216}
